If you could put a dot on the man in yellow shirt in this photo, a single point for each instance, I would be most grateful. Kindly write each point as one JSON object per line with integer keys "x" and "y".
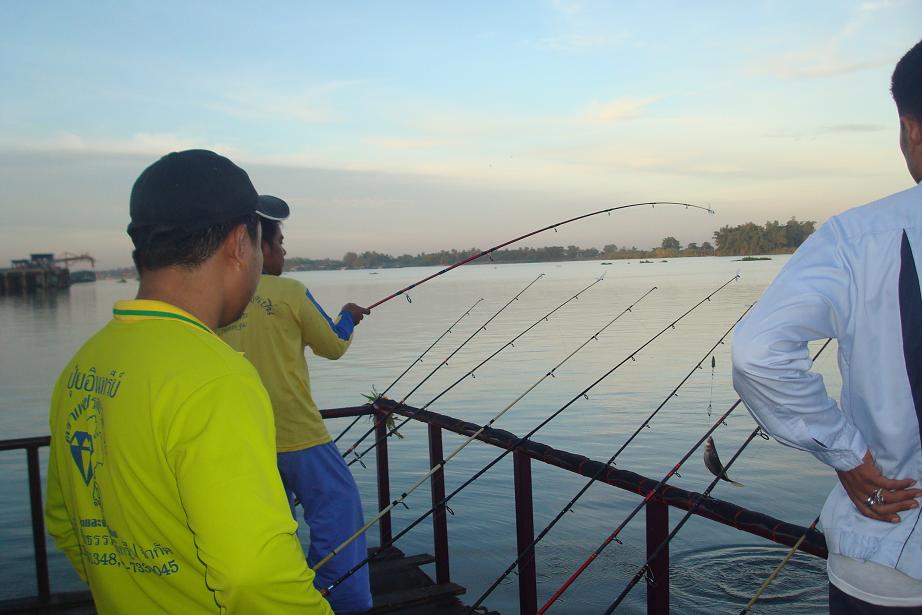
{"x": 163, "y": 489}
{"x": 282, "y": 319}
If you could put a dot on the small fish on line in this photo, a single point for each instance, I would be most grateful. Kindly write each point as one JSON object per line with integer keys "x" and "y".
{"x": 712, "y": 462}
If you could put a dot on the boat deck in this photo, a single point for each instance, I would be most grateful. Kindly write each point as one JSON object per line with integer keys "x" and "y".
{"x": 398, "y": 586}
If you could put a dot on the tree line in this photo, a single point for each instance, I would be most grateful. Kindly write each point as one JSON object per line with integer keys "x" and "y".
{"x": 773, "y": 238}
{"x": 745, "y": 239}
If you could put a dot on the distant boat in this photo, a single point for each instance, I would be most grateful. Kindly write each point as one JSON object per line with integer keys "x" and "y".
{"x": 78, "y": 277}
{"x": 606, "y": 263}
{"x": 747, "y": 259}
{"x": 122, "y": 281}
{"x": 372, "y": 273}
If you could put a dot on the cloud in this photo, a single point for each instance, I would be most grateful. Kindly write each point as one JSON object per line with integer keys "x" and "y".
{"x": 571, "y": 42}
{"x": 573, "y": 29}
{"x": 400, "y": 143}
{"x": 866, "y": 11}
{"x": 800, "y": 66}
{"x": 616, "y": 110}
{"x": 569, "y": 8}
{"x": 832, "y": 129}
{"x": 851, "y": 128}
{"x": 279, "y": 103}
{"x": 138, "y": 144}
{"x": 828, "y": 57}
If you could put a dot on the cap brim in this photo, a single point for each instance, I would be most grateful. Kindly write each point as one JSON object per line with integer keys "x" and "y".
{"x": 272, "y": 208}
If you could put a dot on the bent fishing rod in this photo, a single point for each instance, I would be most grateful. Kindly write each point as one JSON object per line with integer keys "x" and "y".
{"x": 443, "y": 363}
{"x": 528, "y": 550}
{"x": 470, "y": 373}
{"x": 650, "y": 495}
{"x": 778, "y": 568}
{"x": 526, "y": 236}
{"x": 418, "y": 360}
{"x": 460, "y": 447}
{"x": 519, "y": 441}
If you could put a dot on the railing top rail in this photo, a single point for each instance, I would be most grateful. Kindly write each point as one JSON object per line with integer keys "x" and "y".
{"x": 727, "y": 513}
{"x": 340, "y": 413}
{"x": 26, "y": 443}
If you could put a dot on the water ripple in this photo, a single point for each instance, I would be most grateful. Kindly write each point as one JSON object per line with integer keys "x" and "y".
{"x": 727, "y": 577}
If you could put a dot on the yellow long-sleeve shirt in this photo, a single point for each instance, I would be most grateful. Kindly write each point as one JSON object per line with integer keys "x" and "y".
{"x": 280, "y": 321}
{"x": 163, "y": 488}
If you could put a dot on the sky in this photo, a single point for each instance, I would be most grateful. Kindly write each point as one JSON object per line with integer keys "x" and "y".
{"x": 410, "y": 126}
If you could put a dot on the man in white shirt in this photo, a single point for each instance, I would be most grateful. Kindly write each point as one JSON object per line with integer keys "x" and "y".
{"x": 857, "y": 280}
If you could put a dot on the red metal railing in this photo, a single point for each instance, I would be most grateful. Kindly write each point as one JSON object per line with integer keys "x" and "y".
{"x": 657, "y": 510}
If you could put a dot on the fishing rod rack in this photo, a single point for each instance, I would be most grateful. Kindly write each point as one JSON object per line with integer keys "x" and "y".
{"x": 657, "y": 509}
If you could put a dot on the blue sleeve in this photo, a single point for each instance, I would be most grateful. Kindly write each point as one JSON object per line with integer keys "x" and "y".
{"x": 342, "y": 327}
{"x": 326, "y": 337}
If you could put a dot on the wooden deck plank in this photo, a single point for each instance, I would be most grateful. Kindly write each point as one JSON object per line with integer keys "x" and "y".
{"x": 398, "y": 586}
{"x": 434, "y": 596}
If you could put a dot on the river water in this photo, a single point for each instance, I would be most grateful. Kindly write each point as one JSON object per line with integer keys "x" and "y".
{"x": 715, "y": 569}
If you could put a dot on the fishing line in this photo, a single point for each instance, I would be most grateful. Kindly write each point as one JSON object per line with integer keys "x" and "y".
{"x": 457, "y": 450}
{"x": 614, "y": 535}
{"x": 482, "y": 327}
{"x": 393, "y": 430}
{"x": 711, "y": 396}
{"x": 418, "y": 360}
{"x": 527, "y": 551}
{"x": 527, "y": 235}
{"x": 520, "y": 441}
{"x": 777, "y": 570}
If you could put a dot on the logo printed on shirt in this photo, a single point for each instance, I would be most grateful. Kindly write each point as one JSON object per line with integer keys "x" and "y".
{"x": 83, "y": 432}
{"x": 81, "y": 449}
{"x": 264, "y": 303}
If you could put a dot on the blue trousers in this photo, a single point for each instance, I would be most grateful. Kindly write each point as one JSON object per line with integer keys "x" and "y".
{"x": 318, "y": 476}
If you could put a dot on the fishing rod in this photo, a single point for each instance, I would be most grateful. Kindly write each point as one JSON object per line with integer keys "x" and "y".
{"x": 528, "y": 550}
{"x": 527, "y": 235}
{"x": 777, "y": 570}
{"x": 614, "y": 535}
{"x": 418, "y": 360}
{"x": 519, "y": 441}
{"x": 393, "y": 430}
{"x": 439, "y": 366}
{"x": 460, "y": 447}
{"x": 644, "y": 569}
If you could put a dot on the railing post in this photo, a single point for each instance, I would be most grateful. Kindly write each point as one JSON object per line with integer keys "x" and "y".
{"x": 38, "y": 524}
{"x": 439, "y": 520}
{"x": 384, "y": 479}
{"x": 525, "y": 533}
{"x": 658, "y": 571}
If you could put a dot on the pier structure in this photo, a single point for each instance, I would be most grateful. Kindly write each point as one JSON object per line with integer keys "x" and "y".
{"x": 40, "y": 272}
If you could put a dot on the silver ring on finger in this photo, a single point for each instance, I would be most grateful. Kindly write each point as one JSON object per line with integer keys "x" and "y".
{"x": 879, "y": 496}
{"x": 875, "y": 498}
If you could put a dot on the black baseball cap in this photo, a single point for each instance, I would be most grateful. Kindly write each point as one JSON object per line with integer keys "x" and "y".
{"x": 195, "y": 189}
{"x": 272, "y": 207}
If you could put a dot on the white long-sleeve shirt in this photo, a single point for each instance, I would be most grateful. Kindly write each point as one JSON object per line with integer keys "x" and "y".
{"x": 855, "y": 279}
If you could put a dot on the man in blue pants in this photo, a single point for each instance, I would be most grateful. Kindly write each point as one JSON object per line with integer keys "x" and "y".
{"x": 281, "y": 320}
